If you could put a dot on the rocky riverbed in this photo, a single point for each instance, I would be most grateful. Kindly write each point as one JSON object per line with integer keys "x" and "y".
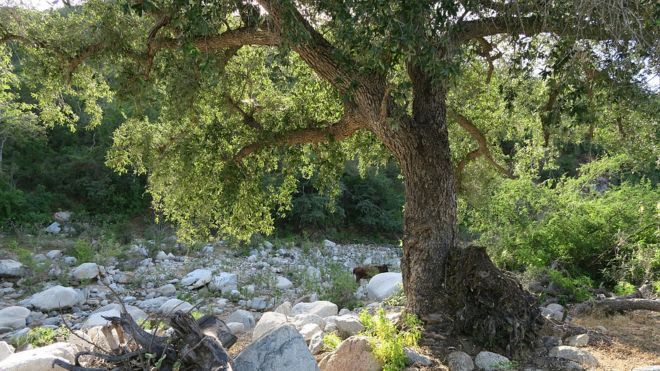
{"x": 268, "y": 295}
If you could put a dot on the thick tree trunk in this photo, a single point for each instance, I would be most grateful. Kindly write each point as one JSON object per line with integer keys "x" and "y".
{"x": 457, "y": 289}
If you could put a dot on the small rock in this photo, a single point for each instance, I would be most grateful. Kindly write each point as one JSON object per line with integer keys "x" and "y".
{"x": 416, "y": 358}
{"x": 459, "y": 361}
{"x": 11, "y": 268}
{"x": 174, "y": 305}
{"x": 310, "y": 330}
{"x": 207, "y": 250}
{"x": 197, "y": 278}
{"x": 14, "y": 317}
{"x": 283, "y": 348}
{"x": 329, "y": 244}
{"x": 283, "y": 283}
{"x": 348, "y": 325}
{"x": 86, "y": 271}
{"x": 580, "y": 356}
{"x": 581, "y": 340}
{"x": 268, "y": 322}
{"x": 491, "y": 361}
{"x": 54, "y": 254}
{"x": 259, "y": 303}
{"x": 236, "y": 327}
{"x": 244, "y": 317}
{"x": 166, "y": 290}
{"x": 62, "y": 216}
{"x": 54, "y": 228}
{"x": 353, "y": 354}
{"x": 224, "y": 282}
{"x": 161, "y": 256}
{"x": 384, "y": 285}
{"x": 285, "y": 308}
{"x": 320, "y": 308}
{"x": 316, "y": 344}
{"x": 70, "y": 260}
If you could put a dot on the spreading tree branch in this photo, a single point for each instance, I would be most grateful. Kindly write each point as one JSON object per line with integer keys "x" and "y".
{"x": 482, "y": 150}
{"x": 337, "y": 131}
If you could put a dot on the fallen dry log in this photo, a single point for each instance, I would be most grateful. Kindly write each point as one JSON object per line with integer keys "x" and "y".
{"x": 194, "y": 345}
{"x": 618, "y": 305}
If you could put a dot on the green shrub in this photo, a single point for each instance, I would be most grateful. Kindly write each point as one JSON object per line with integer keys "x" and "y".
{"x": 342, "y": 291}
{"x": 623, "y": 288}
{"x": 398, "y": 299}
{"x": 576, "y": 287}
{"x": 607, "y": 234}
{"x": 389, "y": 340}
{"x": 83, "y": 251}
{"x": 41, "y": 336}
{"x": 331, "y": 341}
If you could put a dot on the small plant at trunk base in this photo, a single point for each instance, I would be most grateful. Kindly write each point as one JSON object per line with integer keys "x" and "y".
{"x": 388, "y": 339}
{"x": 331, "y": 341}
{"x": 396, "y": 300}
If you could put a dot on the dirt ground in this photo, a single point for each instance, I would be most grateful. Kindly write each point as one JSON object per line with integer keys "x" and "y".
{"x": 636, "y": 339}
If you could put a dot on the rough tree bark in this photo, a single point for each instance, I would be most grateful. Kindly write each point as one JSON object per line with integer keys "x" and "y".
{"x": 457, "y": 290}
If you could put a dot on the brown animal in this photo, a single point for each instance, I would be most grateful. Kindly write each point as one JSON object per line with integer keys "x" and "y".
{"x": 368, "y": 271}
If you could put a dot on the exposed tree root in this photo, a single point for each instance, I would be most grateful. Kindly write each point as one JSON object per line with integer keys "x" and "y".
{"x": 486, "y": 306}
{"x": 194, "y": 345}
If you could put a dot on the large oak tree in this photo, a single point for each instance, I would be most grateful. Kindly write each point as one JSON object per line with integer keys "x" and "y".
{"x": 234, "y": 100}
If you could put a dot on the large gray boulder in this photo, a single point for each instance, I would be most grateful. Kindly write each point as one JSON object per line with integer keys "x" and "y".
{"x": 11, "y": 269}
{"x": 268, "y": 322}
{"x": 321, "y": 308}
{"x": 283, "y": 348}
{"x": 56, "y": 297}
{"x": 39, "y": 359}
{"x": 353, "y": 354}
{"x": 384, "y": 285}
{"x": 14, "y": 317}
{"x": 86, "y": 271}
{"x": 584, "y": 358}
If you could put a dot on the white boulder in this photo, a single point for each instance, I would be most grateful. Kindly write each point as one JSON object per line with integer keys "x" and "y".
{"x": 175, "y": 305}
{"x": 112, "y": 310}
{"x": 39, "y": 359}
{"x": 224, "y": 282}
{"x": 197, "y": 278}
{"x": 283, "y": 283}
{"x": 86, "y": 271}
{"x": 56, "y": 297}
{"x": 14, "y": 317}
{"x": 384, "y": 285}
{"x": 321, "y": 308}
{"x": 11, "y": 268}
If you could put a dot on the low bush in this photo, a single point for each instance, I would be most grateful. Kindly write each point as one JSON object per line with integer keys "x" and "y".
{"x": 388, "y": 339}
